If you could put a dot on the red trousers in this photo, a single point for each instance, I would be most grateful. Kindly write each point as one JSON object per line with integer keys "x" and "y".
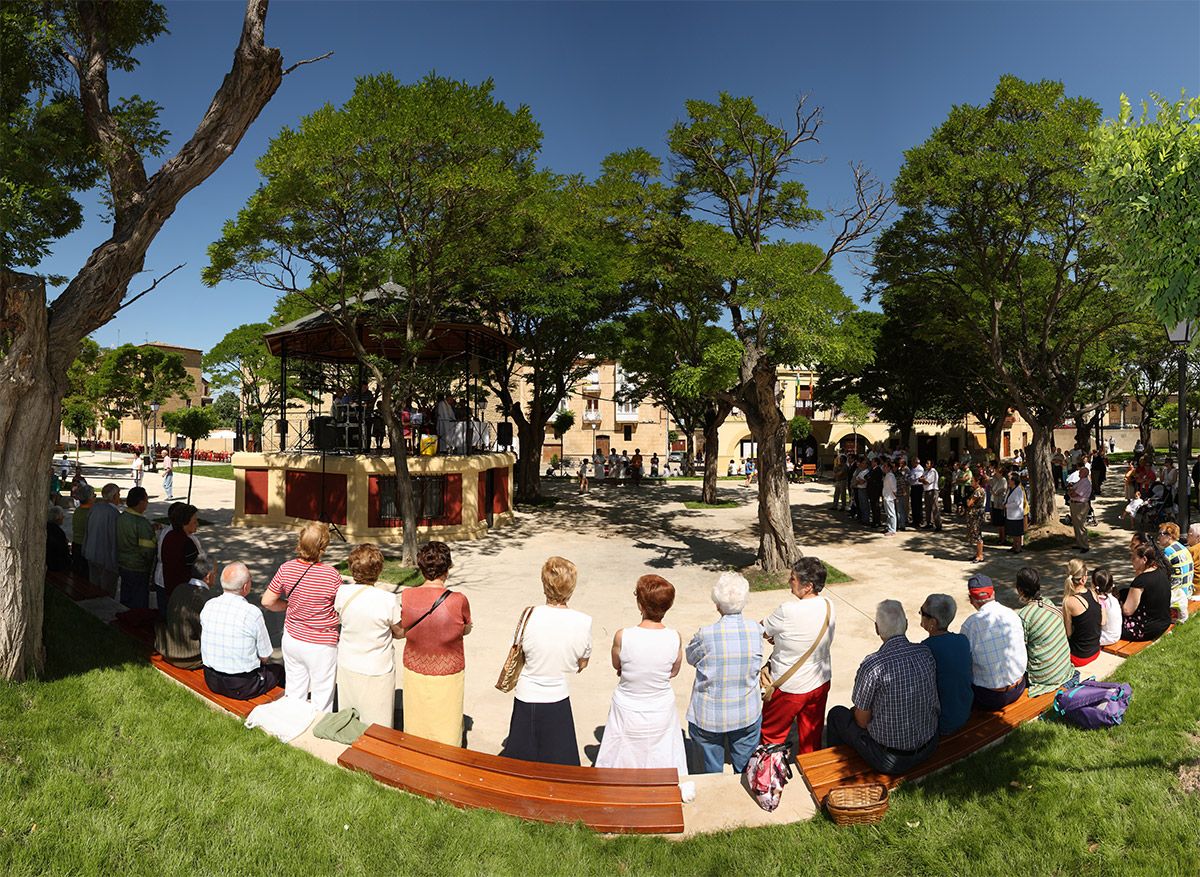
{"x": 807, "y": 710}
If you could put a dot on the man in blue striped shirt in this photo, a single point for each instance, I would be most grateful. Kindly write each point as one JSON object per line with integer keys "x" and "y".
{"x": 726, "y": 705}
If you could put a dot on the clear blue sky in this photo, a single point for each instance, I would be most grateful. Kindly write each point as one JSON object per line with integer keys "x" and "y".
{"x": 603, "y": 77}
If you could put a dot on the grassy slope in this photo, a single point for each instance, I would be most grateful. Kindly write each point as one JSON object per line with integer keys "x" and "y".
{"x": 122, "y": 772}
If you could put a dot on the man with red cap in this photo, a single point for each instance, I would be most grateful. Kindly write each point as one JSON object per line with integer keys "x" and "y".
{"x": 998, "y": 656}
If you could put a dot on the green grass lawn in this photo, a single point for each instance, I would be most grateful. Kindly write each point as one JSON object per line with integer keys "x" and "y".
{"x": 107, "y": 768}
{"x": 393, "y": 571}
{"x": 695, "y": 504}
{"x": 766, "y": 581}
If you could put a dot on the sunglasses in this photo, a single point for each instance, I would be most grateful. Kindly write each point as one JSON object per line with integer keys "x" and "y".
{"x": 924, "y": 614}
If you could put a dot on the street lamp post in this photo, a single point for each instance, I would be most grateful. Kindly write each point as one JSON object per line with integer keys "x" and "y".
{"x": 1181, "y": 337}
{"x": 153, "y": 452}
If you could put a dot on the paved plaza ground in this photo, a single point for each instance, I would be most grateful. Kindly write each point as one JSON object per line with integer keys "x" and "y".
{"x": 616, "y": 534}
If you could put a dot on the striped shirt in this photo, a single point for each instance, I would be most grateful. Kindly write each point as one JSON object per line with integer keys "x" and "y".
{"x": 998, "y": 657}
{"x": 309, "y": 589}
{"x": 898, "y": 686}
{"x": 1180, "y": 560}
{"x": 726, "y": 655}
{"x": 233, "y": 634}
{"x": 1047, "y": 646}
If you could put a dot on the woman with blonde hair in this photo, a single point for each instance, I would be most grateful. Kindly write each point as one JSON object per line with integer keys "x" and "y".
{"x": 435, "y": 620}
{"x": 557, "y": 643}
{"x": 366, "y": 674}
{"x": 1083, "y": 615}
{"x": 304, "y": 590}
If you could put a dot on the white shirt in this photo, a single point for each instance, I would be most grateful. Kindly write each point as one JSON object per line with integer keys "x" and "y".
{"x": 1111, "y": 632}
{"x": 554, "y": 642}
{"x": 1014, "y": 505}
{"x": 889, "y": 485}
{"x": 997, "y": 638}
{"x": 793, "y": 626}
{"x": 915, "y": 474}
{"x": 931, "y": 481}
{"x": 365, "y": 644}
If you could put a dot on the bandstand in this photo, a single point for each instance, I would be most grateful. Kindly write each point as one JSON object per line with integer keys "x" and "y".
{"x": 329, "y": 471}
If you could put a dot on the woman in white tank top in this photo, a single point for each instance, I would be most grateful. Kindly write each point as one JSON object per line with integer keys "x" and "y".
{"x": 643, "y": 728}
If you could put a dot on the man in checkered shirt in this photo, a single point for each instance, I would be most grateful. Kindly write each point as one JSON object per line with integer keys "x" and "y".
{"x": 998, "y": 655}
{"x": 893, "y": 725}
{"x": 234, "y": 644}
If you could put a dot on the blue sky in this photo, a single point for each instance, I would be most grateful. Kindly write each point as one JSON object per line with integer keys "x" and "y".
{"x": 603, "y": 77}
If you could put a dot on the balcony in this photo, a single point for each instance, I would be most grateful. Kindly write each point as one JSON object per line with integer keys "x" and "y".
{"x": 591, "y": 415}
{"x": 591, "y": 383}
{"x": 627, "y": 414}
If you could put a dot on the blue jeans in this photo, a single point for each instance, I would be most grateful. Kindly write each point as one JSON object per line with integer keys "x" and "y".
{"x": 889, "y": 508}
{"x": 864, "y": 504}
{"x": 168, "y": 480}
{"x": 901, "y": 513}
{"x": 711, "y": 744}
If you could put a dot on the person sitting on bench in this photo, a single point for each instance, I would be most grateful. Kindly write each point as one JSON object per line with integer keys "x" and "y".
{"x": 234, "y": 644}
{"x": 998, "y": 656}
{"x": 177, "y": 638}
{"x": 894, "y": 723}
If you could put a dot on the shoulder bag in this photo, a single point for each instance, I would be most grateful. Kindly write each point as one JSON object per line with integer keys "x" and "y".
{"x": 764, "y": 675}
{"x": 515, "y": 662}
{"x": 436, "y": 603}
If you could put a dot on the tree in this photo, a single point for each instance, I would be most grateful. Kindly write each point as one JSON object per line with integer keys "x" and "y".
{"x": 61, "y": 133}
{"x": 800, "y": 428}
{"x": 386, "y": 214}
{"x": 1143, "y": 182}
{"x": 856, "y": 413}
{"x": 563, "y": 421}
{"x": 226, "y": 408}
{"x": 111, "y": 425}
{"x": 1151, "y": 372}
{"x": 134, "y": 378}
{"x": 241, "y": 361}
{"x": 194, "y": 424}
{"x": 994, "y": 233}
{"x": 781, "y": 301}
{"x": 79, "y": 417}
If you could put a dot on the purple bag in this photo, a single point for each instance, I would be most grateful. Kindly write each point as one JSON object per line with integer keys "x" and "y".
{"x": 1091, "y": 704}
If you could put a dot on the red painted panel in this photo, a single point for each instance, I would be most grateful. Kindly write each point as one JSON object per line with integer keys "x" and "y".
{"x": 256, "y": 492}
{"x": 302, "y": 496}
{"x": 500, "y": 499}
{"x": 482, "y": 495}
{"x": 373, "y": 519}
{"x": 453, "y": 500}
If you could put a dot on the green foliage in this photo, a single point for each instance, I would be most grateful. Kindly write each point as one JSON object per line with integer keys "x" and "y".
{"x": 1143, "y": 185}
{"x": 800, "y": 428}
{"x": 563, "y": 421}
{"x": 130, "y": 378}
{"x": 225, "y": 409}
{"x": 1166, "y": 417}
{"x": 193, "y": 423}
{"x": 241, "y": 362}
{"x": 79, "y": 416}
{"x": 47, "y": 156}
{"x": 855, "y": 411}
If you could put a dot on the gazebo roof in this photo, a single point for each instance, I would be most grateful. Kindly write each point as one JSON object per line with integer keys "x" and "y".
{"x": 317, "y": 336}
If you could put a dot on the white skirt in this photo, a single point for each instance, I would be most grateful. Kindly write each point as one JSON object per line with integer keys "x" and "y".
{"x": 643, "y": 733}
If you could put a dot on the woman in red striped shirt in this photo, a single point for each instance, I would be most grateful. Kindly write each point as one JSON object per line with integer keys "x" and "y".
{"x": 304, "y": 588}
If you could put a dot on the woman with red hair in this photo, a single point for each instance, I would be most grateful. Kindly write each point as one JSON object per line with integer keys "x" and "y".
{"x": 643, "y": 724}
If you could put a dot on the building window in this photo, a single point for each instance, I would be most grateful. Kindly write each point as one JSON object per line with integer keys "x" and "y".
{"x": 628, "y": 433}
{"x": 429, "y": 494}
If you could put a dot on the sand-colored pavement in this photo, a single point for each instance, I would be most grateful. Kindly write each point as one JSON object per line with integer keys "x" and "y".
{"x": 616, "y": 534}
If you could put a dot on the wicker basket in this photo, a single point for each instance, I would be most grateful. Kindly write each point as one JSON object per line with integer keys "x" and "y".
{"x": 857, "y": 805}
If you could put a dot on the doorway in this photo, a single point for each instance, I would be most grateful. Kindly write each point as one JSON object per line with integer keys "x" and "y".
{"x": 603, "y": 444}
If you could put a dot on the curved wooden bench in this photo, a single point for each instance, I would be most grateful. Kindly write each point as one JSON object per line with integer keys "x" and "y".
{"x": 608, "y": 800}
{"x": 1124, "y": 648}
{"x": 194, "y": 679}
{"x": 75, "y": 586}
{"x": 826, "y": 769}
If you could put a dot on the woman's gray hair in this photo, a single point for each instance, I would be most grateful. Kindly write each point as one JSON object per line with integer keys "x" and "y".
{"x": 943, "y": 609}
{"x": 55, "y": 514}
{"x": 202, "y": 566}
{"x": 890, "y": 619}
{"x": 730, "y": 593}
{"x": 810, "y": 569}
{"x": 1194, "y": 530}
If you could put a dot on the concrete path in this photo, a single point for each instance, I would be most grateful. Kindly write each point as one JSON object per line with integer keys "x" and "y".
{"x": 616, "y": 534}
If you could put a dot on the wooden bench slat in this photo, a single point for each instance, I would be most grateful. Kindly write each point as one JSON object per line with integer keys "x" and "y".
{"x": 194, "y": 679}
{"x": 615, "y": 818}
{"x": 541, "y": 788}
{"x": 74, "y": 586}
{"x": 826, "y": 769}
{"x": 668, "y": 777}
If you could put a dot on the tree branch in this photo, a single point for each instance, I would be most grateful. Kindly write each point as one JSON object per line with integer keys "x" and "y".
{"x": 308, "y": 61}
{"x": 149, "y": 288}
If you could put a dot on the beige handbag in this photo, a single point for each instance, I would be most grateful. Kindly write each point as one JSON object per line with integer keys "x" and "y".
{"x": 764, "y": 675}
{"x": 515, "y": 662}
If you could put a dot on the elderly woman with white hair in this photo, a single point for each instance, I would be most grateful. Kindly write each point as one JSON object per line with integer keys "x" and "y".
{"x": 726, "y": 707}
{"x": 801, "y": 631}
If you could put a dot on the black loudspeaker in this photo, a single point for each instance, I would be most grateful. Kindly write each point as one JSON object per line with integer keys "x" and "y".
{"x": 324, "y": 433}
{"x": 504, "y": 436}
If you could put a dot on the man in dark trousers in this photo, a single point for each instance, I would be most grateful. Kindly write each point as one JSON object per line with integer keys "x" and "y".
{"x": 875, "y": 490}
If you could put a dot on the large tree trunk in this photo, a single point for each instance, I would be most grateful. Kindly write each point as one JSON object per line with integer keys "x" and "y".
{"x": 768, "y": 426}
{"x": 405, "y": 500}
{"x": 1083, "y": 431}
{"x": 31, "y": 393}
{"x": 1041, "y": 479}
{"x": 714, "y": 416}
{"x": 39, "y": 342}
{"x": 529, "y": 462}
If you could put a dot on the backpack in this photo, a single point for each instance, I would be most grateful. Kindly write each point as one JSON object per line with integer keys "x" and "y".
{"x": 767, "y": 772}
{"x": 1091, "y": 704}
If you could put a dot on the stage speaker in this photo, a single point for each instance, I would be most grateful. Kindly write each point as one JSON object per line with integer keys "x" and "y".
{"x": 324, "y": 433}
{"x": 504, "y": 435}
